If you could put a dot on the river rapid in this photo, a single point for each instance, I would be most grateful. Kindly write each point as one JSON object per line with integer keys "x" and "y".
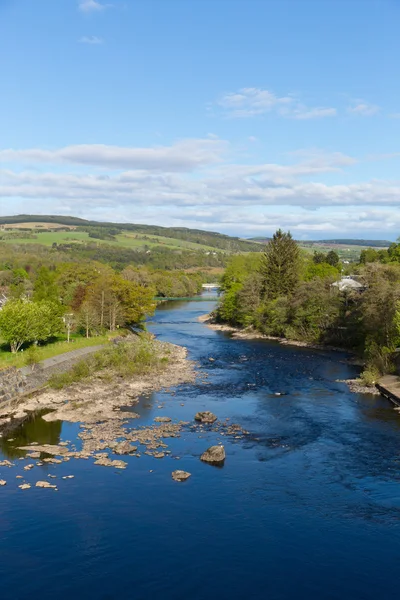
{"x": 307, "y": 505}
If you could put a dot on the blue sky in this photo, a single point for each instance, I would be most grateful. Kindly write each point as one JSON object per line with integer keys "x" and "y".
{"x": 238, "y": 116}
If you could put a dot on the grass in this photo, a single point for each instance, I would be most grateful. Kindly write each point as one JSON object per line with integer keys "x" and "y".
{"x": 20, "y": 359}
{"x": 126, "y": 359}
{"x": 124, "y": 240}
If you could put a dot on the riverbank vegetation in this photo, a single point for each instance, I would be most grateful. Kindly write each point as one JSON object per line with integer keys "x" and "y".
{"x": 139, "y": 355}
{"x": 286, "y": 293}
{"x": 48, "y": 298}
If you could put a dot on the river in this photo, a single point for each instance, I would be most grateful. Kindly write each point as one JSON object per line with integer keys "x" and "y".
{"x": 306, "y": 506}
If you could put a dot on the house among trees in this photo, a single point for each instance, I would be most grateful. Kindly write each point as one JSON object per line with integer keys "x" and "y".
{"x": 347, "y": 284}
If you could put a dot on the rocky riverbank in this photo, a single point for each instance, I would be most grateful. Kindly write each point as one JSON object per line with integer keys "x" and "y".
{"x": 108, "y": 433}
{"x": 102, "y": 397}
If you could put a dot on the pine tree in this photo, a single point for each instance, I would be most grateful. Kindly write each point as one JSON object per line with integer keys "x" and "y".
{"x": 280, "y": 266}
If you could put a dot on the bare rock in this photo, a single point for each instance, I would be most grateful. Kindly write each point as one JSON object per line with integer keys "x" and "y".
{"x": 205, "y": 417}
{"x": 124, "y": 448}
{"x": 47, "y": 448}
{"x": 45, "y": 484}
{"x": 33, "y": 455}
{"x": 214, "y": 455}
{"x": 106, "y": 462}
{"x": 180, "y": 475}
{"x": 25, "y": 486}
{"x": 28, "y": 467}
{"x": 162, "y": 420}
{"x": 159, "y": 455}
{"x": 6, "y": 463}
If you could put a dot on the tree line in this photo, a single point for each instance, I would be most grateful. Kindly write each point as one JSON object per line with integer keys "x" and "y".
{"x": 286, "y": 292}
{"x": 43, "y": 301}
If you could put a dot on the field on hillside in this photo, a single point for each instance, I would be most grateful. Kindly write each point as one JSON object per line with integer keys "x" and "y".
{"x": 350, "y": 253}
{"x": 36, "y": 226}
{"x": 125, "y": 239}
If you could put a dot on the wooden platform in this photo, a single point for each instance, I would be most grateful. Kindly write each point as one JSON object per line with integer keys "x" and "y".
{"x": 389, "y": 386}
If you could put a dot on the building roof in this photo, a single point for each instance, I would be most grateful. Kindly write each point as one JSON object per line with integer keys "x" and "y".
{"x": 347, "y": 283}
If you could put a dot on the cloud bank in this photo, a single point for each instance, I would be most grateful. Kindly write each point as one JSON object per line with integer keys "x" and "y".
{"x": 191, "y": 183}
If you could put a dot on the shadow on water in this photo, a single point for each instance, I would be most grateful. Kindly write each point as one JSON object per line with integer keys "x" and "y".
{"x": 33, "y": 429}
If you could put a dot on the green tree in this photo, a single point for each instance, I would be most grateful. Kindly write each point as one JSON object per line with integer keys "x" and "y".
{"x": 332, "y": 258}
{"x": 321, "y": 271}
{"x": 23, "y": 321}
{"x": 45, "y": 287}
{"x": 280, "y": 265}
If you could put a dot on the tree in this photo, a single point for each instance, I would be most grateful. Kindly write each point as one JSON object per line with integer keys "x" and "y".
{"x": 321, "y": 271}
{"x": 23, "y": 321}
{"x": 319, "y": 257}
{"x": 280, "y": 265}
{"x": 45, "y": 287}
{"x": 332, "y": 258}
{"x": 88, "y": 319}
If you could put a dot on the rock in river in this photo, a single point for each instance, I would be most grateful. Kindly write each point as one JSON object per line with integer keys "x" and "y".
{"x": 124, "y": 448}
{"x": 180, "y": 475}
{"x": 45, "y": 484}
{"x": 205, "y": 417}
{"x": 3, "y": 482}
{"x": 214, "y": 454}
{"x": 106, "y": 462}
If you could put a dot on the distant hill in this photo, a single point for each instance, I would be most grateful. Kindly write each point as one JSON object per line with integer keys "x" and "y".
{"x": 334, "y": 242}
{"x": 360, "y": 242}
{"x": 192, "y": 238}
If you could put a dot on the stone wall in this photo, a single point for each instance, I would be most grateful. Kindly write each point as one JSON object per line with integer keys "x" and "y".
{"x": 12, "y": 384}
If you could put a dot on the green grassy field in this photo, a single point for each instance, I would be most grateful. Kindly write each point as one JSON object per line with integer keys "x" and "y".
{"x": 350, "y": 253}
{"x": 126, "y": 239}
{"x": 7, "y": 359}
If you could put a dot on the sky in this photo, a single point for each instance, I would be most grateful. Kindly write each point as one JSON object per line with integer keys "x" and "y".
{"x": 238, "y": 116}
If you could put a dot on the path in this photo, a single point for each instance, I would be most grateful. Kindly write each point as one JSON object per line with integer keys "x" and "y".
{"x": 389, "y": 386}
{"x": 61, "y": 358}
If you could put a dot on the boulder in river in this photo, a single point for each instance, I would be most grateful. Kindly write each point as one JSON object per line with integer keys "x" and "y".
{"x": 180, "y": 475}
{"x": 214, "y": 455}
{"x": 162, "y": 420}
{"x": 3, "y": 482}
{"x": 45, "y": 484}
{"x": 124, "y": 448}
{"x": 106, "y": 462}
{"x": 205, "y": 417}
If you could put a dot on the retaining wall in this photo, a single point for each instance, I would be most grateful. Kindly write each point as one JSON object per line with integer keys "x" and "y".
{"x": 12, "y": 384}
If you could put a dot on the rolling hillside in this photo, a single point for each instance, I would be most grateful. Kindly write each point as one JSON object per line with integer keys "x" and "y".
{"x": 123, "y": 234}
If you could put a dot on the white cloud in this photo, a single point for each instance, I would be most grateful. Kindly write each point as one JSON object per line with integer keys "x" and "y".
{"x": 182, "y": 156}
{"x": 249, "y": 102}
{"x": 301, "y": 112}
{"x": 252, "y": 102}
{"x": 363, "y": 109}
{"x": 188, "y": 183}
{"x": 91, "y": 39}
{"x": 88, "y": 6}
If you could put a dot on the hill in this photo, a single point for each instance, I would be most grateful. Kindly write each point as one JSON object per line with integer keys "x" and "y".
{"x": 129, "y": 234}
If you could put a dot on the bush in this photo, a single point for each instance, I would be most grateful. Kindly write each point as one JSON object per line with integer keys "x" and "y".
{"x": 369, "y": 376}
{"x": 124, "y": 360}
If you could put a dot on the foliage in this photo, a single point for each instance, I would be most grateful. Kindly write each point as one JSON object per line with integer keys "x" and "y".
{"x": 320, "y": 270}
{"x": 280, "y": 265}
{"x": 125, "y": 359}
{"x": 23, "y": 321}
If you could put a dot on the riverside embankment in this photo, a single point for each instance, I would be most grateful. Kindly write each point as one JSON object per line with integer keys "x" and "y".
{"x": 309, "y": 492}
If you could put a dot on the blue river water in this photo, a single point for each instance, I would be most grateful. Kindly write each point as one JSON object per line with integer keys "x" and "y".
{"x": 306, "y": 506}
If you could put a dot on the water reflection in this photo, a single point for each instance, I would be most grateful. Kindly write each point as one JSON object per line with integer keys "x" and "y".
{"x": 33, "y": 429}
